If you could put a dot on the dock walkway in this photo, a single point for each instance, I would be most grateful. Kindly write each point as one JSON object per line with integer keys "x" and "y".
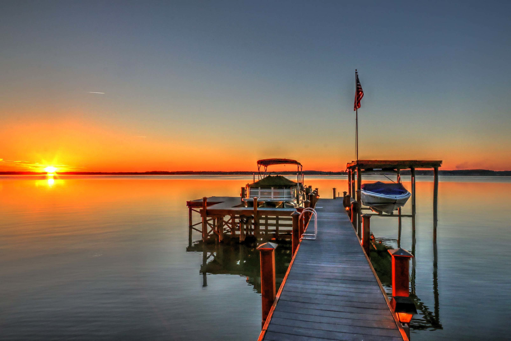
{"x": 331, "y": 292}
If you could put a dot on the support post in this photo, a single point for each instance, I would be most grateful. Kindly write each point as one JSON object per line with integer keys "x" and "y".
{"x": 220, "y": 228}
{"x": 412, "y": 180}
{"x": 402, "y": 304}
{"x": 353, "y": 211}
{"x": 346, "y": 200}
{"x": 398, "y": 171}
{"x": 295, "y": 237}
{"x": 400, "y": 272}
{"x": 399, "y": 227}
{"x": 334, "y": 192}
{"x": 242, "y": 228}
{"x": 353, "y": 183}
{"x": 359, "y": 215}
{"x": 349, "y": 183}
{"x": 268, "y": 285}
{"x": 204, "y": 219}
{"x": 366, "y": 233}
{"x": 435, "y": 203}
{"x": 256, "y": 219}
{"x": 190, "y": 226}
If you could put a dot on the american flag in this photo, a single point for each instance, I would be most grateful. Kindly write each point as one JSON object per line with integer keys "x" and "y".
{"x": 359, "y": 93}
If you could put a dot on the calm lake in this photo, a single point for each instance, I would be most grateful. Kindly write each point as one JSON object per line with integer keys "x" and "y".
{"x": 108, "y": 258}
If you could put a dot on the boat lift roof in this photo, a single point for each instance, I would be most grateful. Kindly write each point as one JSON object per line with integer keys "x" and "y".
{"x": 392, "y": 164}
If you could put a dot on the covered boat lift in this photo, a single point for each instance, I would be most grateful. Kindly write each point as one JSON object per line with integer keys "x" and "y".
{"x": 356, "y": 168}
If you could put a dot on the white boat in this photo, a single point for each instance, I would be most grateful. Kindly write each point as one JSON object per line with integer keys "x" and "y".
{"x": 384, "y": 197}
{"x": 273, "y": 190}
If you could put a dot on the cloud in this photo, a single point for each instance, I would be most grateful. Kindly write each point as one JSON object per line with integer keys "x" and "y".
{"x": 96, "y": 92}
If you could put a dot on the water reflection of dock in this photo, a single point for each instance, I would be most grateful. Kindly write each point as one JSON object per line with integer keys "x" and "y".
{"x": 238, "y": 259}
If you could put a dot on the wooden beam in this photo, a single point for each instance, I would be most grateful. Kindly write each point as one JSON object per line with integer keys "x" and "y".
{"x": 397, "y": 164}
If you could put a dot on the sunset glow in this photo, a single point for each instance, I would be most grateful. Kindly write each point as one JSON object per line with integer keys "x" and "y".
{"x": 50, "y": 170}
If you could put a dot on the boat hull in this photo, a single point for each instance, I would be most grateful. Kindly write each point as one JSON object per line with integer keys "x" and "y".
{"x": 384, "y": 202}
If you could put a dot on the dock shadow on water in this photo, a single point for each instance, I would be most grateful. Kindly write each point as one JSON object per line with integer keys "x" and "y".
{"x": 233, "y": 258}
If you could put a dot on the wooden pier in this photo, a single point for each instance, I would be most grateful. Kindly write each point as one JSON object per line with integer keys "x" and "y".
{"x": 330, "y": 291}
{"x": 227, "y": 216}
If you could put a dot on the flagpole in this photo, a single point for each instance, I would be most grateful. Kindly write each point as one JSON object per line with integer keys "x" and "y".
{"x": 356, "y": 134}
{"x": 356, "y": 118}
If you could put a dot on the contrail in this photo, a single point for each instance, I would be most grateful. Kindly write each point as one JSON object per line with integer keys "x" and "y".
{"x": 96, "y": 92}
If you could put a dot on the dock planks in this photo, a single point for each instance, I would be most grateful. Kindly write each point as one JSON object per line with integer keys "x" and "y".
{"x": 331, "y": 292}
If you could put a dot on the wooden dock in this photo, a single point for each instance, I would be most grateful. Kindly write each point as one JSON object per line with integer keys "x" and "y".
{"x": 330, "y": 291}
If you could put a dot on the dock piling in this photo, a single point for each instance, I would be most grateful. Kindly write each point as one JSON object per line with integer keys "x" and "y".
{"x": 204, "y": 219}
{"x": 400, "y": 272}
{"x": 334, "y": 190}
{"x": 353, "y": 211}
{"x": 296, "y": 237}
{"x": 366, "y": 233}
{"x": 268, "y": 285}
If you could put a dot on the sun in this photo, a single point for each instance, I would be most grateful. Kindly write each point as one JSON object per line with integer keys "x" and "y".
{"x": 50, "y": 170}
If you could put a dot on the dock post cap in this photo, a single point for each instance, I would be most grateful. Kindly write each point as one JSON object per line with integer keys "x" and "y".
{"x": 267, "y": 246}
{"x": 400, "y": 253}
{"x": 295, "y": 214}
{"x": 366, "y": 215}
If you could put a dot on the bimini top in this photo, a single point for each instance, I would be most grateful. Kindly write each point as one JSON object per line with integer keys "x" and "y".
{"x": 269, "y": 162}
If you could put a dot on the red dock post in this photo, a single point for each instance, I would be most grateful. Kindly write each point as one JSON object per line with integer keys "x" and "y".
{"x": 296, "y": 231}
{"x": 268, "y": 286}
{"x": 400, "y": 272}
{"x": 366, "y": 232}
{"x": 354, "y": 214}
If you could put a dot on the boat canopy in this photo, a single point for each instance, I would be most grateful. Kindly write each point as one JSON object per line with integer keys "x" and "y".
{"x": 264, "y": 163}
{"x": 269, "y": 162}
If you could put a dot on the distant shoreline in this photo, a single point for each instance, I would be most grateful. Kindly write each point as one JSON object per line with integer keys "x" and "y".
{"x": 472, "y": 172}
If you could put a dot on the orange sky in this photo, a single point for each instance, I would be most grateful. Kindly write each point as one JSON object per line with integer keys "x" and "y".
{"x": 80, "y": 145}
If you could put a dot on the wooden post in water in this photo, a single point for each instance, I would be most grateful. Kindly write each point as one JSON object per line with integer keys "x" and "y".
{"x": 268, "y": 285}
{"x": 435, "y": 203}
{"x": 400, "y": 272}
{"x": 366, "y": 233}
{"x": 220, "y": 228}
{"x": 242, "y": 228}
{"x": 398, "y": 171}
{"x": 204, "y": 219}
{"x": 190, "y": 226}
{"x": 295, "y": 237}
{"x": 412, "y": 180}
{"x": 399, "y": 227}
{"x": 334, "y": 190}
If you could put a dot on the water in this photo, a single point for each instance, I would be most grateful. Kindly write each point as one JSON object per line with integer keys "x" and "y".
{"x": 106, "y": 258}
